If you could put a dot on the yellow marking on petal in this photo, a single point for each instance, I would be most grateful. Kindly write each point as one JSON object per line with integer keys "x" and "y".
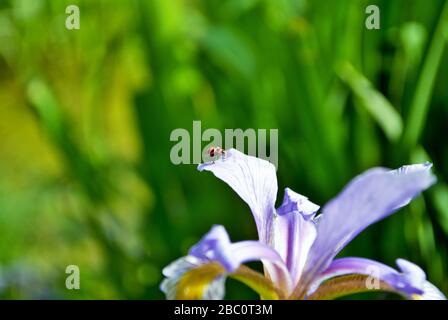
{"x": 416, "y": 297}
{"x": 193, "y": 283}
{"x": 346, "y": 285}
{"x": 258, "y": 282}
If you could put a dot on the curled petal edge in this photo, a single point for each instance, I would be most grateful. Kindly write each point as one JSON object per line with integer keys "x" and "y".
{"x": 351, "y": 275}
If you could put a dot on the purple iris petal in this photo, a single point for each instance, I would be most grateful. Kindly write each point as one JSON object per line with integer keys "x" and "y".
{"x": 293, "y": 201}
{"x": 431, "y": 292}
{"x": 410, "y": 281}
{"x": 368, "y": 198}
{"x": 413, "y": 275}
{"x": 293, "y": 237}
{"x": 294, "y": 231}
{"x": 254, "y": 180}
{"x": 216, "y": 246}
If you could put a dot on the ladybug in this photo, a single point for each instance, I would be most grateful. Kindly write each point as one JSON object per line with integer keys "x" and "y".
{"x": 215, "y": 151}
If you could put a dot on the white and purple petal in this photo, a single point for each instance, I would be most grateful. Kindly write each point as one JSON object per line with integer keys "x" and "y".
{"x": 254, "y": 180}
{"x": 410, "y": 281}
{"x": 368, "y": 198}
{"x": 294, "y": 231}
{"x": 293, "y": 237}
{"x": 176, "y": 270}
{"x": 216, "y": 246}
{"x": 292, "y": 201}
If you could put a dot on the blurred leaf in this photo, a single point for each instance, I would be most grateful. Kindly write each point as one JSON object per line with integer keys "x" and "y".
{"x": 413, "y": 37}
{"x": 372, "y": 100}
{"x": 42, "y": 98}
{"x": 440, "y": 200}
{"x": 229, "y": 51}
{"x": 420, "y": 103}
{"x": 412, "y": 40}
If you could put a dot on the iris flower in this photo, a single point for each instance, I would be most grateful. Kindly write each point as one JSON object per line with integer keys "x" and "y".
{"x": 297, "y": 243}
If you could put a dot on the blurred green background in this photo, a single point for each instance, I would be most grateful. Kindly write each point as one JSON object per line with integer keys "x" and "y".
{"x": 86, "y": 115}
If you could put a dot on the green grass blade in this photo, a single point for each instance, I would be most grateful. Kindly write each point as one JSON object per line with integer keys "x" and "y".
{"x": 425, "y": 85}
{"x": 372, "y": 100}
